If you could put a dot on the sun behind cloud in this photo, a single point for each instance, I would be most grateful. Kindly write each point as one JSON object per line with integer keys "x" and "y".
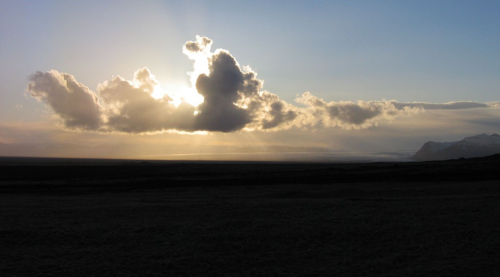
{"x": 180, "y": 94}
{"x": 222, "y": 97}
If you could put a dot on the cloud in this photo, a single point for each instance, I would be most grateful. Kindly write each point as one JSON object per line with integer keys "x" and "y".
{"x": 494, "y": 104}
{"x": 222, "y": 88}
{"x": 77, "y": 106}
{"x": 460, "y": 105}
{"x": 350, "y": 115}
{"x": 233, "y": 100}
{"x": 278, "y": 116}
{"x": 202, "y": 44}
{"x": 131, "y": 107}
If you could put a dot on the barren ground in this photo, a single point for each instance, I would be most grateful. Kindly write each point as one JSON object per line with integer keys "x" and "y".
{"x": 91, "y": 217}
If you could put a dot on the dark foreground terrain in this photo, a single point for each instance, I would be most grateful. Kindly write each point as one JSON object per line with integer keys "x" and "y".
{"x": 61, "y": 217}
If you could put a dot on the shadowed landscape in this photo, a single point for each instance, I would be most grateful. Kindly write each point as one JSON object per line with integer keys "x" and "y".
{"x": 125, "y": 217}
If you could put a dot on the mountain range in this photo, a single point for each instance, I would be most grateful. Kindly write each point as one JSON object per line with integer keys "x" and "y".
{"x": 469, "y": 147}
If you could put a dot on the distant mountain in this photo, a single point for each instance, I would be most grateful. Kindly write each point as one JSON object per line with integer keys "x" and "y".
{"x": 470, "y": 147}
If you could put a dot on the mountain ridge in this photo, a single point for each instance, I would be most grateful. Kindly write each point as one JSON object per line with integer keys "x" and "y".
{"x": 470, "y": 147}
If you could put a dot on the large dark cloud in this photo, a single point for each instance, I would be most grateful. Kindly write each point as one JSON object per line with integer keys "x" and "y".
{"x": 222, "y": 89}
{"x": 233, "y": 100}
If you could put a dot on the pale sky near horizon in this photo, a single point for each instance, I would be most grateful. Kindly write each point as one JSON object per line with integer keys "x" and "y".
{"x": 408, "y": 51}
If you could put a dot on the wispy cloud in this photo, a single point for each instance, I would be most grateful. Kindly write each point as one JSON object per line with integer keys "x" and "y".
{"x": 459, "y": 105}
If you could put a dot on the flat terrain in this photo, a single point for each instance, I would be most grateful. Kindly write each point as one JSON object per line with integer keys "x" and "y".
{"x": 129, "y": 218}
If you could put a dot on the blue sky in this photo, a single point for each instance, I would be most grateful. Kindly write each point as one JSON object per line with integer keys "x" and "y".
{"x": 423, "y": 51}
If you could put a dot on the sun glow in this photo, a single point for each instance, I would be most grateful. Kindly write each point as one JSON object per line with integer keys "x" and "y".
{"x": 158, "y": 92}
{"x": 186, "y": 94}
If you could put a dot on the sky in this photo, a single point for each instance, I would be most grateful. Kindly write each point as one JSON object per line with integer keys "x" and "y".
{"x": 184, "y": 77}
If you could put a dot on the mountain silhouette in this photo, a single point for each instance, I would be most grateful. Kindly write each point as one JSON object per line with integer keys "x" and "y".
{"x": 470, "y": 147}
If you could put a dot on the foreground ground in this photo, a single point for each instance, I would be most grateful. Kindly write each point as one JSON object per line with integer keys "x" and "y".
{"x": 82, "y": 218}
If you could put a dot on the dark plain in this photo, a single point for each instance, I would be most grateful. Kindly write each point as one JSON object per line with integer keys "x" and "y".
{"x": 71, "y": 217}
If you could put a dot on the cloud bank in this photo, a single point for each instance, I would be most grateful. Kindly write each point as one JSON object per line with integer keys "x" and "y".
{"x": 233, "y": 100}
